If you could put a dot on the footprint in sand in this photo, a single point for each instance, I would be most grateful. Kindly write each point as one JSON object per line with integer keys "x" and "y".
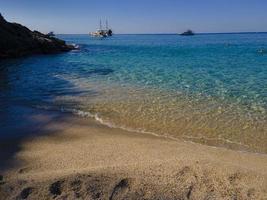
{"x": 26, "y": 192}
{"x": 120, "y": 189}
{"x": 56, "y": 188}
{"x": 76, "y": 187}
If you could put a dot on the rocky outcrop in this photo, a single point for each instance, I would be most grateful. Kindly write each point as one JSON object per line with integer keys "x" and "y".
{"x": 17, "y": 40}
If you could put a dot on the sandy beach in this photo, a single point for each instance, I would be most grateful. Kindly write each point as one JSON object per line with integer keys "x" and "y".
{"x": 68, "y": 157}
{"x": 133, "y": 100}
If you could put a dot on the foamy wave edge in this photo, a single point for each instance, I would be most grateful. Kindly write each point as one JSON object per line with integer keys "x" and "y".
{"x": 107, "y": 123}
{"x": 96, "y": 117}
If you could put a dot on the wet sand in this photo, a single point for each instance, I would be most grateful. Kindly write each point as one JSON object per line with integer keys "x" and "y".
{"x": 60, "y": 156}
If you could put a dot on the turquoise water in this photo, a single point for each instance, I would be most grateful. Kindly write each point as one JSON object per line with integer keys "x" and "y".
{"x": 210, "y": 88}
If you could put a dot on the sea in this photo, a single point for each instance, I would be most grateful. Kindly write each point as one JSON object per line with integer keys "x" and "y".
{"x": 209, "y": 88}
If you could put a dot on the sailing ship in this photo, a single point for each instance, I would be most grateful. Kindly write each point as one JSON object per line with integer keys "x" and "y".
{"x": 102, "y": 32}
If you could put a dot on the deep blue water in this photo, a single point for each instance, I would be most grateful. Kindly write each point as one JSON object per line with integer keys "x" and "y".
{"x": 207, "y": 88}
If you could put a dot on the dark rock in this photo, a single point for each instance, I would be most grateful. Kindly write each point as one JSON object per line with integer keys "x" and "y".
{"x": 17, "y": 40}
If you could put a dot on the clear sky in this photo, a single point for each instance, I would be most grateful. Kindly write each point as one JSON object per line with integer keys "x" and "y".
{"x": 138, "y": 16}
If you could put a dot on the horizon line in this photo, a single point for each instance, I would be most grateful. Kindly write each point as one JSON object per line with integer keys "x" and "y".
{"x": 200, "y": 33}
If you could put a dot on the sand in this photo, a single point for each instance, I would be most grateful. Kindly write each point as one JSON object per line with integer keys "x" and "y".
{"x": 68, "y": 157}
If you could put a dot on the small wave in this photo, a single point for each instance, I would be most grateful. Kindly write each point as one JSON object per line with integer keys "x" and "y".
{"x": 109, "y": 124}
{"x": 184, "y": 139}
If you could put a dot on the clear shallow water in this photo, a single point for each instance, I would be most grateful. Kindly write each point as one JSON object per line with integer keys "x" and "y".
{"x": 210, "y": 89}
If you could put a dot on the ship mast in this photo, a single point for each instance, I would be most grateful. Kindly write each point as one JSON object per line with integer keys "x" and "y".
{"x": 106, "y": 24}
{"x": 100, "y": 25}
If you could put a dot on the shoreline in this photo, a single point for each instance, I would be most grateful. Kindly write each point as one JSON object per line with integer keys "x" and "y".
{"x": 224, "y": 143}
{"x": 110, "y": 163}
{"x": 76, "y": 113}
{"x": 97, "y": 119}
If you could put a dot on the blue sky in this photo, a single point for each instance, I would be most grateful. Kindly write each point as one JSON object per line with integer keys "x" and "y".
{"x": 138, "y": 16}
